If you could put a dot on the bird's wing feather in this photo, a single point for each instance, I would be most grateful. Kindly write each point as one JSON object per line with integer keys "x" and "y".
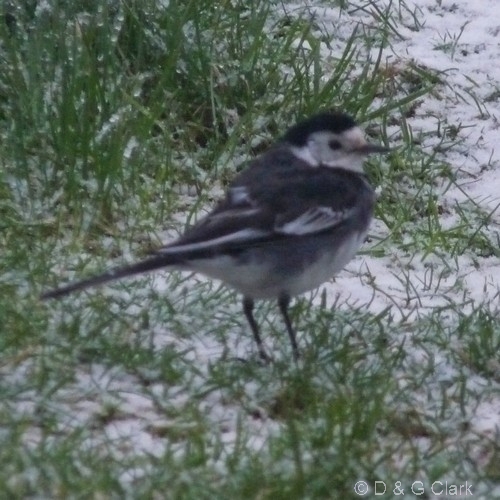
{"x": 312, "y": 220}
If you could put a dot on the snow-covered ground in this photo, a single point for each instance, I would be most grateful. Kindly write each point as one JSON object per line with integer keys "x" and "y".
{"x": 461, "y": 40}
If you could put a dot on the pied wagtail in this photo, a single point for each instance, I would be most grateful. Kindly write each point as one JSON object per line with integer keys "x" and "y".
{"x": 289, "y": 222}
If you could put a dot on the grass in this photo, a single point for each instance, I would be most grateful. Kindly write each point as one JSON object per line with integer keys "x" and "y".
{"x": 119, "y": 124}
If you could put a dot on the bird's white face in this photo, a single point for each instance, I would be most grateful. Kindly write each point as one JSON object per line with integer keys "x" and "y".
{"x": 346, "y": 150}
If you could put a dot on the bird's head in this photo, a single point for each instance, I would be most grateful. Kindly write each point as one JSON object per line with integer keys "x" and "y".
{"x": 332, "y": 140}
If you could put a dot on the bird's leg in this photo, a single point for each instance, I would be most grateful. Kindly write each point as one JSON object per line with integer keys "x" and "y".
{"x": 283, "y": 302}
{"x": 248, "y": 310}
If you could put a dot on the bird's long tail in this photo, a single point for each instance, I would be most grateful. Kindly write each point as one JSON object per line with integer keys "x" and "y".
{"x": 146, "y": 265}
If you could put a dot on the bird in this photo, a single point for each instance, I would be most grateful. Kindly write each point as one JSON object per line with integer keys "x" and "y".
{"x": 289, "y": 221}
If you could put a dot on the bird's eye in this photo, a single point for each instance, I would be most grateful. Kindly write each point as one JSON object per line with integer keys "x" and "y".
{"x": 334, "y": 144}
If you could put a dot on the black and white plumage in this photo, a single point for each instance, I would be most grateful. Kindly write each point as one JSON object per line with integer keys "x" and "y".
{"x": 288, "y": 223}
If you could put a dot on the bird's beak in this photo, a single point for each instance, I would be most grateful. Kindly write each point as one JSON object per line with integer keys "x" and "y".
{"x": 368, "y": 149}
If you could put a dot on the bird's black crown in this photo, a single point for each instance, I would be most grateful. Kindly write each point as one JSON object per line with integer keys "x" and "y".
{"x": 335, "y": 122}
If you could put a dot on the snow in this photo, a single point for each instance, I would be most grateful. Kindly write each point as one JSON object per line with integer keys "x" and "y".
{"x": 470, "y": 68}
